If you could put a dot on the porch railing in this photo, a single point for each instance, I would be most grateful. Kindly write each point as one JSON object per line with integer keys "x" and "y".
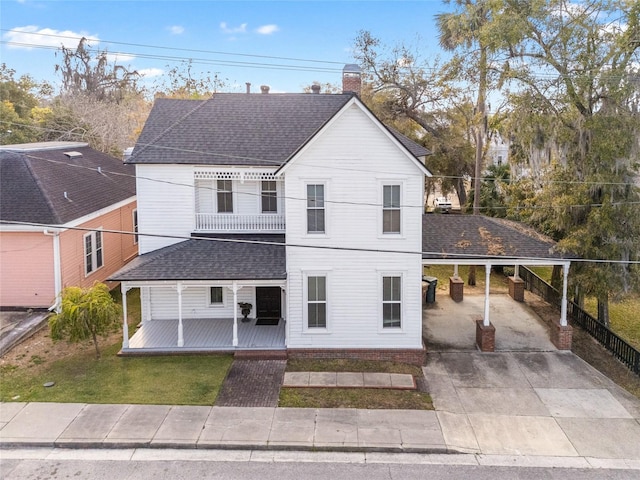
{"x": 213, "y": 222}
{"x": 620, "y": 349}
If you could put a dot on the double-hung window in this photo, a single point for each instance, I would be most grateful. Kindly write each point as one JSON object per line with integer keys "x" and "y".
{"x": 315, "y": 208}
{"x": 225, "y": 196}
{"x": 316, "y": 302}
{"x": 92, "y": 251}
{"x": 135, "y": 226}
{"x": 391, "y": 302}
{"x": 391, "y": 209}
{"x": 269, "y": 197}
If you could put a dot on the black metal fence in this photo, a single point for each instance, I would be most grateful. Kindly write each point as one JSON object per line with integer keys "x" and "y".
{"x": 620, "y": 349}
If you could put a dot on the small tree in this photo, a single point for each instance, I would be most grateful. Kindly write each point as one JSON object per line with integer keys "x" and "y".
{"x": 85, "y": 313}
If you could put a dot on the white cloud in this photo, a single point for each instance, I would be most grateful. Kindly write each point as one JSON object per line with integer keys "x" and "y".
{"x": 176, "y": 29}
{"x": 242, "y": 28}
{"x": 267, "y": 29}
{"x": 119, "y": 58}
{"x": 150, "y": 72}
{"x": 31, "y": 35}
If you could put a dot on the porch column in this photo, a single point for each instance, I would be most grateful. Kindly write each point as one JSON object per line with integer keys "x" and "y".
{"x": 179, "y": 288}
{"x": 124, "y": 288}
{"x": 563, "y": 304}
{"x": 487, "y": 281}
{"x": 235, "y": 289}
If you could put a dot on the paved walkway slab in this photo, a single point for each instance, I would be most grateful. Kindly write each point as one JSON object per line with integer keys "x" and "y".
{"x": 252, "y": 383}
{"x": 40, "y": 423}
{"x": 398, "y": 381}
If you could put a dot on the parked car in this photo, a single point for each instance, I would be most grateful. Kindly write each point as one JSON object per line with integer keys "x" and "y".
{"x": 442, "y": 204}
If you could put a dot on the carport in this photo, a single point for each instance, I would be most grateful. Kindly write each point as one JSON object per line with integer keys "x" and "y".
{"x": 484, "y": 241}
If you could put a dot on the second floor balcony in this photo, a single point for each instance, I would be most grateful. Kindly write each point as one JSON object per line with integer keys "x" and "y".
{"x": 238, "y": 223}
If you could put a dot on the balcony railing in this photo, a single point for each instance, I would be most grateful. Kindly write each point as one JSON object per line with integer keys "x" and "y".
{"x": 214, "y": 222}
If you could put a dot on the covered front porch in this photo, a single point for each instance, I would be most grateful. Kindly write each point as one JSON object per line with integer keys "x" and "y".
{"x": 205, "y": 335}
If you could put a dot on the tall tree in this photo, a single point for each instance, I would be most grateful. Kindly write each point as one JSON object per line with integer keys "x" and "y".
{"x": 577, "y": 63}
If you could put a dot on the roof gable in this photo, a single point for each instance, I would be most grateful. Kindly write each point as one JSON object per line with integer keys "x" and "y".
{"x": 239, "y": 129}
{"x": 46, "y": 186}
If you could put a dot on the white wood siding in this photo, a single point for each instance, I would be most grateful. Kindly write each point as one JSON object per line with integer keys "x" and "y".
{"x": 354, "y": 157}
{"x": 166, "y": 204}
{"x": 195, "y": 303}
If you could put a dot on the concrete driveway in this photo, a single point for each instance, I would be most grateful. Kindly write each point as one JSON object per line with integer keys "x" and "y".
{"x": 16, "y": 326}
{"x": 527, "y": 398}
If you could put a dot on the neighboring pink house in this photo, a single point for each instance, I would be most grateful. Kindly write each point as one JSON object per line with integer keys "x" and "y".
{"x": 57, "y": 201}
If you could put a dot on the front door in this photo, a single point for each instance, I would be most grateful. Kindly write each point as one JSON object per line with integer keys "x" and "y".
{"x": 268, "y": 302}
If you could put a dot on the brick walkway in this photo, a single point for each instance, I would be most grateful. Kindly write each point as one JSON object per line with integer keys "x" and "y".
{"x": 252, "y": 383}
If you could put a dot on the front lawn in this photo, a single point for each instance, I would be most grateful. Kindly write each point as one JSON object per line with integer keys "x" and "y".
{"x": 170, "y": 380}
{"x": 371, "y": 398}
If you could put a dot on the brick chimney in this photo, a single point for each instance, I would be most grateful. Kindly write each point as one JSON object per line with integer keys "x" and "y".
{"x": 351, "y": 78}
{"x": 315, "y": 88}
{"x": 264, "y": 88}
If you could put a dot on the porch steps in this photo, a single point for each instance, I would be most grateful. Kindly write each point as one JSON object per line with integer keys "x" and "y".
{"x": 260, "y": 355}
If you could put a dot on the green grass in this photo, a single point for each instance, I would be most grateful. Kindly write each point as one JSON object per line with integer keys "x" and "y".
{"x": 173, "y": 380}
{"x": 624, "y": 317}
{"x": 353, "y": 397}
{"x": 443, "y": 272}
{"x": 368, "y": 398}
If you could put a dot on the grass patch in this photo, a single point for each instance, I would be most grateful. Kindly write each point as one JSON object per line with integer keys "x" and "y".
{"x": 341, "y": 365}
{"x": 369, "y": 398}
{"x": 624, "y": 317}
{"x": 443, "y": 272}
{"x": 374, "y": 398}
{"x": 172, "y": 380}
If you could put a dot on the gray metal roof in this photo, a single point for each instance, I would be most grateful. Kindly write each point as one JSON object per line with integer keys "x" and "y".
{"x": 238, "y": 128}
{"x": 34, "y": 182}
{"x": 468, "y": 236}
{"x": 210, "y": 259}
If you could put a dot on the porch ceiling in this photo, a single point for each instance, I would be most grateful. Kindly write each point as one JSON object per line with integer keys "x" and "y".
{"x": 229, "y": 257}
{"x": 455, "y": 238}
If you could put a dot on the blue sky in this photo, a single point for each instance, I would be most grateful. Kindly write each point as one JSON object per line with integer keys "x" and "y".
{"x": 316, "y": 35}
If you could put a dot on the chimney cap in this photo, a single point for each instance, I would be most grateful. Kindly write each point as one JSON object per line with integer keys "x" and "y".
{"x": 351, "y": 68}
{"x": 264, "y": 88}
{"x": 315, "y": 88}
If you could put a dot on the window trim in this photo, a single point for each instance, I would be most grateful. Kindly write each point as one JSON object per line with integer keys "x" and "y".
{"x": 134, "y": 218}
{"x": 325, "y": 185}
{"x": 305, "y": 302}
{"x": 218, "y": 191}
{"x": 93, "y": 235}
{"x": 262, "y": 196}
{"x": 211, "y": 304}
{"x": 382, "y": 302}
{"x": 390, "y": 183}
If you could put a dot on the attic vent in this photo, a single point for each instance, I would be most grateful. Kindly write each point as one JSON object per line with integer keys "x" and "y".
{"x": 73, "y": 154}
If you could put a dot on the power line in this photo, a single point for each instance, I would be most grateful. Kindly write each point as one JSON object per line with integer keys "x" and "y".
{"x": 462, "y": 256}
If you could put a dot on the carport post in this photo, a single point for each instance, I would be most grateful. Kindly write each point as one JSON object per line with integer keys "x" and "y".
{"x": 486, "y": 321}
{"x": 455, "y": 270}
{"x": 563, "y": 305}
{"x": 516, "y": 271}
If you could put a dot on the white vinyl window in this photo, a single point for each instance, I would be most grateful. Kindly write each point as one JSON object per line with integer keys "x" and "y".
{"x": 93, "y": 259}
{"x": 315, "y": 208}
{"x": 391, "y": 302}
{"x": 225, "y": 196}
{"x": 216, "y": 296}
{"x": 391, "y": 215}
{"x": 316, "y": 302}
{"x": 269, "y": 197}
{"x": 135, "y": 226}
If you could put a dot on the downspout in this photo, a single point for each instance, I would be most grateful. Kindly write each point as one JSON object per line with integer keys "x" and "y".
{"x": 57, "y": 269}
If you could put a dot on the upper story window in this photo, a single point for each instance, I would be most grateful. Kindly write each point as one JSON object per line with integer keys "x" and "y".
{"x": 269, "y": 197}
{"x": 391, "y": 209}
{"x": 93, "y": 259}
{"x": 315, "y": 208}
{"x": 391, "y": 302}
{"x": 225, "y": 196}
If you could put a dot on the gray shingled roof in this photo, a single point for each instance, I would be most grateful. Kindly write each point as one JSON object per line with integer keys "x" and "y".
{"x": 208, "y": 259}
{"x": 238, "y": 128}
{"x": 33, "y": 183}
{"x": 469, "y": 236}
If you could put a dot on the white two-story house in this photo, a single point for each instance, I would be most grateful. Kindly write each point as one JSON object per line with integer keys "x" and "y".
{"x": 277, "y": 222}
